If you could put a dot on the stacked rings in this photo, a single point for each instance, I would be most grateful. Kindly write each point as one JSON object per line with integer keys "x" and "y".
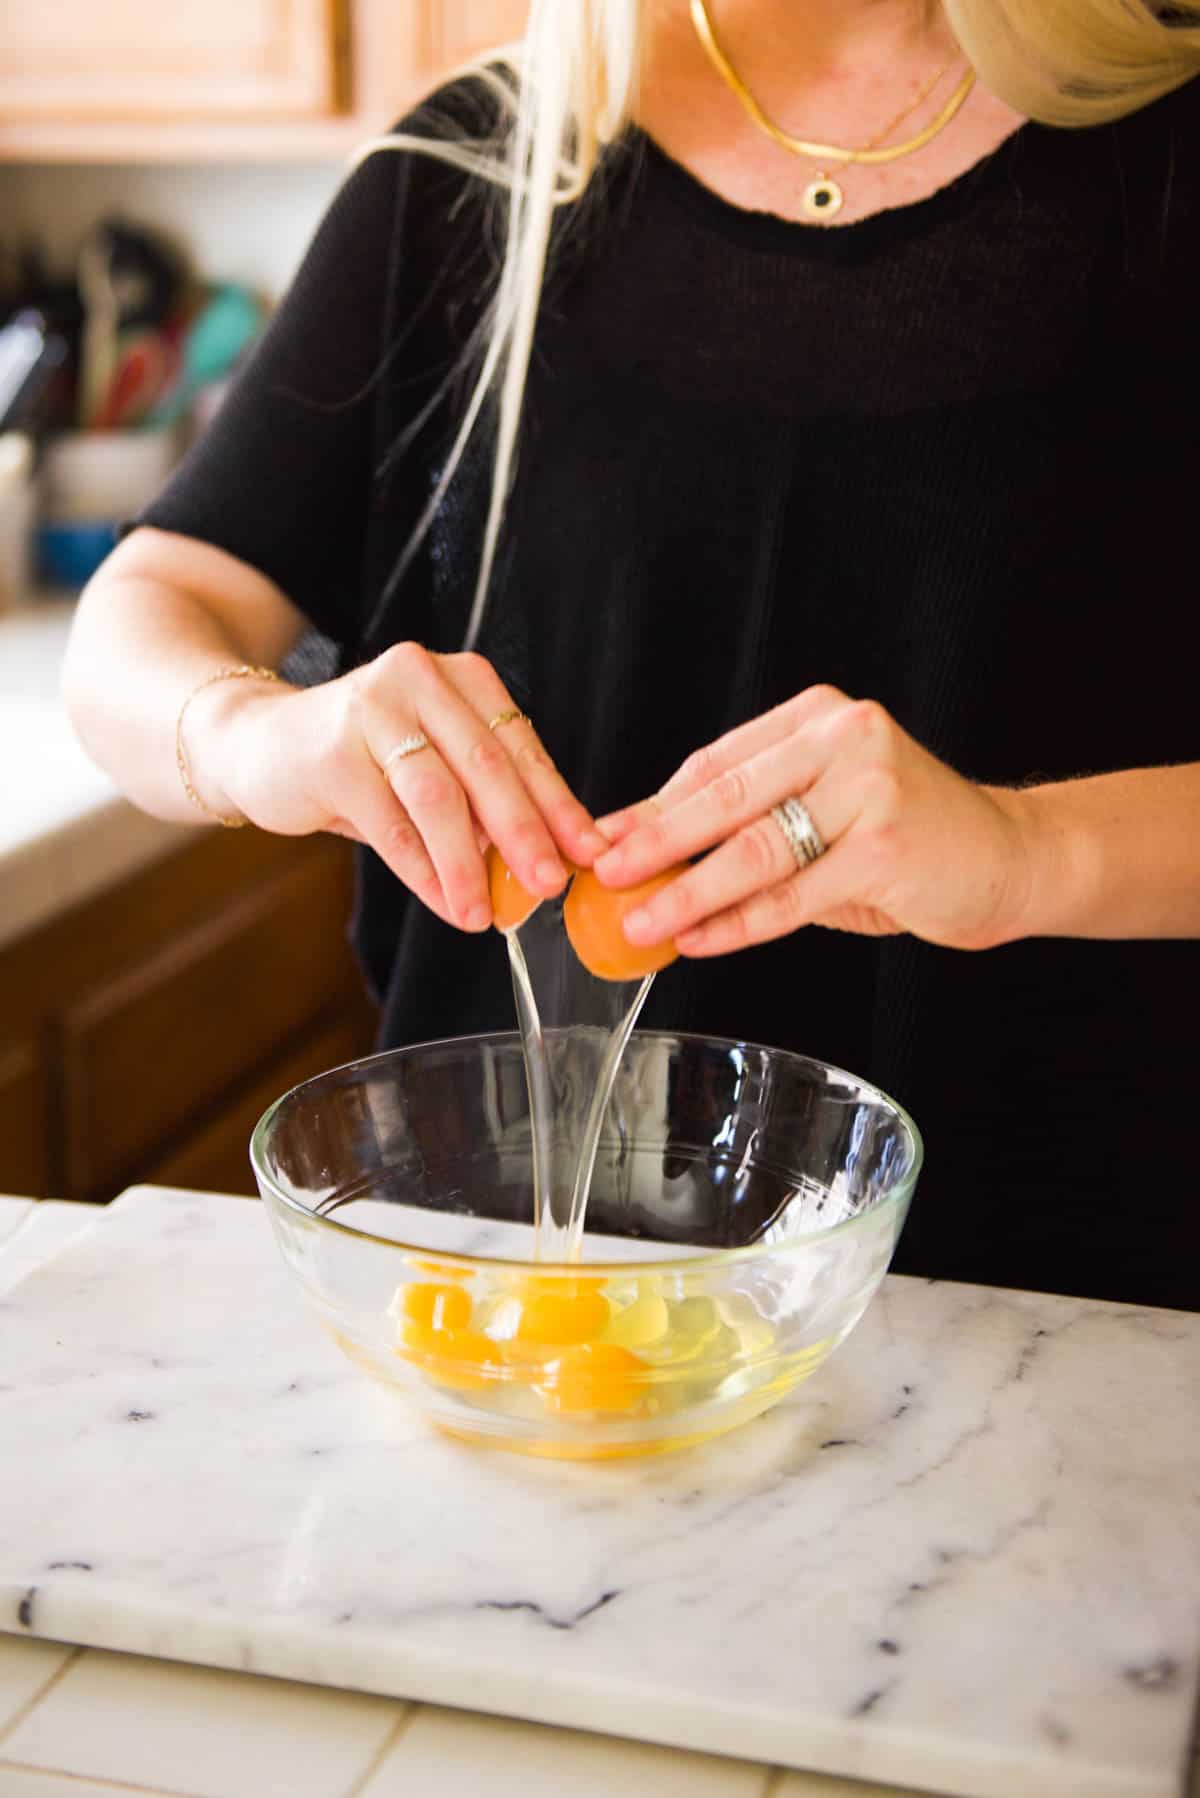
{"x": 801, "y": 834}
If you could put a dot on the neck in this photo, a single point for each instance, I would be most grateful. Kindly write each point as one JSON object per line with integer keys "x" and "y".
{"x": 827, "y": 37}
{"x": 834, "y": 72}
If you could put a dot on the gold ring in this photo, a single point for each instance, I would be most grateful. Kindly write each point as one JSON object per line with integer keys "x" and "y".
{"x": 406, "y": 746}
{"x": 509, "y": 717}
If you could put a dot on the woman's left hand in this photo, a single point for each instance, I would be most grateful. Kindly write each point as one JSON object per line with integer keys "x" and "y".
{"x": 909, "y": 844}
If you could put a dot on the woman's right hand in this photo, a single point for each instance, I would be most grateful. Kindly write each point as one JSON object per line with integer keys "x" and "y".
{"x": 297, "y": 760}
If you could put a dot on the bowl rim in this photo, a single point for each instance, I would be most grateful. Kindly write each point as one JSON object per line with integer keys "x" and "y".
{"x": 585, "y": 1269}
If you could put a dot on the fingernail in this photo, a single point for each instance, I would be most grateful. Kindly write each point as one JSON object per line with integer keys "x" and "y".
{"x": 610, "y": 827}
{"x": 549, "y": 875}
{"x": 608, "y": 865}
{"x": 638, "y": 923}
{"x": 479, "y": 917}
{"x": 593, "y": 842}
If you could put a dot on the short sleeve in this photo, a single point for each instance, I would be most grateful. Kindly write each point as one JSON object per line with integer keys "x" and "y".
{"x": 282, "y": 477}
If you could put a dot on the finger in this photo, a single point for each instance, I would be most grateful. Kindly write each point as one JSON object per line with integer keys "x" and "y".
{"x": 774, "y": 912}
{"x": 756, "y": 858}
{"x": 569, "y": 821}
{"x": 375, "y": 817}
{"x": 342, "y": 827}
{"x": 621, "y": 824}
{"x": 436, "y": 806}
{"x": 736, "y": 798}
{"x": 726, "y": 752}
{"x": 829, "y": 887}
{"x": 485, "y": 776}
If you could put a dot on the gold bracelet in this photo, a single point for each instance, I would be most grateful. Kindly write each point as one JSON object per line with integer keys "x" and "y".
{"x": 244, "y": 672}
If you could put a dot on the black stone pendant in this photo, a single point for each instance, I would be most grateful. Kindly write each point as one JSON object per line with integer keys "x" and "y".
{"x": 822, "y": 198}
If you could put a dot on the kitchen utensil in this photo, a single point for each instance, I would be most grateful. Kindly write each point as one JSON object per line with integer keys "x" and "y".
{"x": 98, "y": 342}
{"x": 21, "y": 343}
{"x": 127, "y": 278}
{"x": 744, "y": 1207}
{"x": 30, "y": 356}
{"x": 16, "y": 518}
{"x": 146, "y": 272}
{"x": 214, "y": 341}
{"x": 144, "y": 369}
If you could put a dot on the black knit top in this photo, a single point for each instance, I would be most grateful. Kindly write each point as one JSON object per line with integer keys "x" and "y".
{"x": 945, "y": 457}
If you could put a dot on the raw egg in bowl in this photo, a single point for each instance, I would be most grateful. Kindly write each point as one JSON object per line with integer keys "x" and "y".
{"x": 744, "y": 1207}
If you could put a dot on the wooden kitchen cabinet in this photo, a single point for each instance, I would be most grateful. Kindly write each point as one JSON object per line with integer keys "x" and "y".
{"x": 140, "y": 59}
{"x": 231, "y": 78}
{"x": 144, "y": 1033}
{"x": 459, "y": 29}
{"x": 24, "y": 1119}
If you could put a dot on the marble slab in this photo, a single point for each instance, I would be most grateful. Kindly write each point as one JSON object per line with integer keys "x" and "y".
{"x": 965, "y": 1558}
{"x": 12, "y": 1210}
{"x": 46, "y": 1228}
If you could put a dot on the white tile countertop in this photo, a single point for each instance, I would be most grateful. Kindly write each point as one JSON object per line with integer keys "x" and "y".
{"x": 1102, "y": 1576}
{"x": 65, "y": 832}
{"x": 81, "y": 1723}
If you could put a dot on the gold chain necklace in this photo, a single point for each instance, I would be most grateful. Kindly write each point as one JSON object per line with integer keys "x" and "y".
{"x": 823, "y": 198}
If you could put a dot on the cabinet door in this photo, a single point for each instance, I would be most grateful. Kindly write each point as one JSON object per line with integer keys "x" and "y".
{"x": 147, "y": 1048}
{"x": 215, "y": 1156}
{"x": 140, "y": 59}
{"x": 23, "y": 1121}
{"x": 459, "y": 29}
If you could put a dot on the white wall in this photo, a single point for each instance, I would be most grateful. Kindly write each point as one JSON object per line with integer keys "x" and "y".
{"x": 243, "y": 223}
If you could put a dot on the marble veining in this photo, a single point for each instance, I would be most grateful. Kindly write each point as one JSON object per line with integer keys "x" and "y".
{"x": 965, "y": 1558}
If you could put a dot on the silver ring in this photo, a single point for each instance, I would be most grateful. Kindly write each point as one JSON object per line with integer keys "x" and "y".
{"x": 406, "y": 746}
{"x": 800, "y": 833}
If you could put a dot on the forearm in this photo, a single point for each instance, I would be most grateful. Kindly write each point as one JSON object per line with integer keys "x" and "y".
{"x": 159, "y": 619}
{"x": 1113, "y": 855}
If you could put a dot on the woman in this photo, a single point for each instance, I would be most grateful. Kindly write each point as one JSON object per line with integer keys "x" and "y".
{"x": 849, "y": 517}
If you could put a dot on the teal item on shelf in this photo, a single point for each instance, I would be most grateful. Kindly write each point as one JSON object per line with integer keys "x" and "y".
{"x": 221, "y": 332}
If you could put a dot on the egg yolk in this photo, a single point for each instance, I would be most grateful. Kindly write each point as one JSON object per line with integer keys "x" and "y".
{"x": 565, "y": 1285}
{"x": 560, "y": 1318}
{"x": 511, "y": 902}
{"x": 435, "y": 1333}
{"x": 463, "y": 1359}
{"x": 570, "y": 1340}
{"x": 436, "y": 1307}
{"x": 593, "y": 1376}
{"x": 593, "y": 915}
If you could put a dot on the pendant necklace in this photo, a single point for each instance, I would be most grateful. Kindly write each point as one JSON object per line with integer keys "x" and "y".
{"x": 823, "y": 197}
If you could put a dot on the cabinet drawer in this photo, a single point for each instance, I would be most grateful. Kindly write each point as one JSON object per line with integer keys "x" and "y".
{"x": 148, "y": 1048}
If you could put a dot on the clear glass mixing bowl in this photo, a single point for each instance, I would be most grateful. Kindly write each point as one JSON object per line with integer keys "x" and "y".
{"x": 744, "y": 1208}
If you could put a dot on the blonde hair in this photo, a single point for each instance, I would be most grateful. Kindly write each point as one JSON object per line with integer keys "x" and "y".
{"x": 567, "y": 92}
